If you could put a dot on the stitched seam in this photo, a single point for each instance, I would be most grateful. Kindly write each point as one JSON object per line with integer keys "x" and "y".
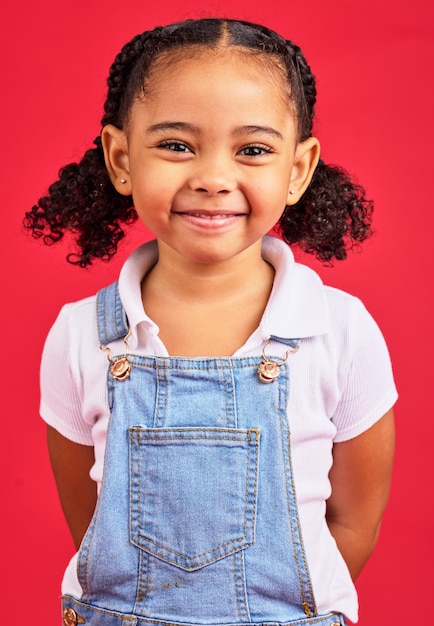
{"x": 119, "y": 325}
{"x": 244, "y": 587}
{"x": 137, "y": 430}
{"x": 166, "y": 441}
{"x": 142, "y": 582}
{"x": 131, "y": 618}
{"x": 101, "y": 313}
{"x": 161, "y": 399}
{"x": 237, "y": 599}
{"x": 228, "y": 392}
{"x": 290, "y": 495}
{"x": 137, "y": 361}
{"x": 191, "y": 568}
{"x": 303, "y": 554}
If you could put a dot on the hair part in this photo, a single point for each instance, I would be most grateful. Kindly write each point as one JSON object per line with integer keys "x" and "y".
{"x": 331, "y": 215}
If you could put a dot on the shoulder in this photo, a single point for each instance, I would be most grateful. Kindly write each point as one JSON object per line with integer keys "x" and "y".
{"x": 350, "y": 319}
{"x": 344, "y": 313}
{"x": 75, "y": 323}
{"x": 78, "y": 311}
{"x": 337, "y": 300}
{"x": 345, "y": 307}
{"x": 72, "y": 336}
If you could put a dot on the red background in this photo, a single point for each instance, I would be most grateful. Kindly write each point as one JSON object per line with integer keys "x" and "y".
{"x": 374, "y": 66}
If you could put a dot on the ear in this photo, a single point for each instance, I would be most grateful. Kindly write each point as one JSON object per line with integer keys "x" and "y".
{"x": 115, "y": 146}
{"x": 305, "y": 161}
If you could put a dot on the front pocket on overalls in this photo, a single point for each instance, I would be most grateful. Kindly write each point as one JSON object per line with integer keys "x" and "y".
{"x": 193, "y": 492}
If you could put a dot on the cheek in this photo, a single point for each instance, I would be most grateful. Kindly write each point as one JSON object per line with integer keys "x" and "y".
{"x": 272, "y": 189}
{"x": 155, "y": 178}
{"x": 146, "y": 187}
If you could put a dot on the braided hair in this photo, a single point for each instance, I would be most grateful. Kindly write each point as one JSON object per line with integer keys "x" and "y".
{"x": 331, "y": 216}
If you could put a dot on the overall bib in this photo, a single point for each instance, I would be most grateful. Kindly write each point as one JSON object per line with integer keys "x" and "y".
{"x": 197, "y": 520}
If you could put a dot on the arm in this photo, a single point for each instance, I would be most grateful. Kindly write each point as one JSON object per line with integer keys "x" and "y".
{"x": 71, "y": 463}
{"x": 360, "y": 478}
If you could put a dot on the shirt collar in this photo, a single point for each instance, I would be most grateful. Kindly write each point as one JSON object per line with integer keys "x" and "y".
{"x": 297, "y": 306}
{"x": 137, "y": 265}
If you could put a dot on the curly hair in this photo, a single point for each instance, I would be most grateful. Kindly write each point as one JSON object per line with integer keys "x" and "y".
{"x": 331, "y": 216}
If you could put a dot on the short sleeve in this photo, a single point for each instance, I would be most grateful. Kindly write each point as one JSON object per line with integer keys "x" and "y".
{"x": 369, "y": 389}
{"x": 61, "y": 394}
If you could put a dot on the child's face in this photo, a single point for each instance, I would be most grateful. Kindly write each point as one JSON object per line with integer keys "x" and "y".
{"x": 210, "y": 155}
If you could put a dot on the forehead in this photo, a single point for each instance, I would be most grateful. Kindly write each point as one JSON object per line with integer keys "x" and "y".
{"x": 206, "y": 70}
{"x": 217, "y": 90}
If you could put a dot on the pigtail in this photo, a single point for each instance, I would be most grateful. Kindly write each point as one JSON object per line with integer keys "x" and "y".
{"x": 83, "y": 202}
{"x": 332, "y": 216}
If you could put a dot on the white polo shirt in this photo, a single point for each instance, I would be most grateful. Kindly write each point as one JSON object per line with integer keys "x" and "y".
{"x": 341, "y": 384}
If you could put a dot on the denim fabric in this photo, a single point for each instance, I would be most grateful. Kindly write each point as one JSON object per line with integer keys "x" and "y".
{"x": 197, "y": 519}
{"x": 95, "y": 616}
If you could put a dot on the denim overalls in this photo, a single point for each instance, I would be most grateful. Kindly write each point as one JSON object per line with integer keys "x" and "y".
{"x": 197, "y": 520}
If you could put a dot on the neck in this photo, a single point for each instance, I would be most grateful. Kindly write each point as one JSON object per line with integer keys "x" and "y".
{"x": 192, "y": 282}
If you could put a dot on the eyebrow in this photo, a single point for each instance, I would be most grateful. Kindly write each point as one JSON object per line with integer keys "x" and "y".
{"x": 240, "y": 130}
{"x": 260, "y": 130}
{"x": 165, "y": 126}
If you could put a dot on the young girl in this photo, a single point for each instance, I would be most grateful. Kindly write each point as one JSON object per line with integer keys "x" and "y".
{"x": 240, "y": 434}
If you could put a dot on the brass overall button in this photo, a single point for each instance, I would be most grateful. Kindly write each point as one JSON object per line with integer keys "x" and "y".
{"x": 70, "y": 618}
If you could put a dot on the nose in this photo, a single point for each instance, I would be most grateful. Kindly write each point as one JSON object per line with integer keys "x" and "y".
{"x": 213, "y": 176}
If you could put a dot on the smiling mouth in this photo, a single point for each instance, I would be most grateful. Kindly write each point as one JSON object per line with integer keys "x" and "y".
{"x": 209, "y": 216}
{"x": 210, "y": 220}
{"x": 212, "y": 216}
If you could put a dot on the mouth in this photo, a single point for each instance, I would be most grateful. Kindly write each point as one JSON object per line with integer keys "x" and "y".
{"x": 210, "y": 219}
{"x": 208, "y": 215}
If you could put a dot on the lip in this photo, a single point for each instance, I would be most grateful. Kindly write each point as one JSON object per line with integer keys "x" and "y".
{"x": 210, "y": 220}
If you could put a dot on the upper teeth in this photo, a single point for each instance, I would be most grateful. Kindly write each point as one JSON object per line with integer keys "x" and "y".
{"x": 212, "y": 216}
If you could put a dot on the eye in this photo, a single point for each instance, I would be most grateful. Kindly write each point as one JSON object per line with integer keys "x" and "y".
{"x": 255, "y": 150}
{"x": 174, "y": 146}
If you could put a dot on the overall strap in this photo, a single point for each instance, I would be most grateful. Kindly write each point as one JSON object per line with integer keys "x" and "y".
{"x": 111, "y": 318}
{"x": 293, "y": 343}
